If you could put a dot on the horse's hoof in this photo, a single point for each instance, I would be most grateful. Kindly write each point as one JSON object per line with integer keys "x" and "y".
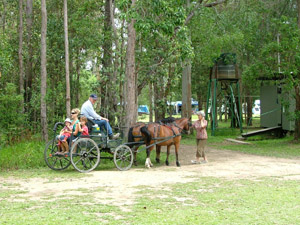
{"x": 167, "y": 163}
{"x": 178, "y": 164}
{"x": 157, "y": 160}
{"x": 135, "y": 163}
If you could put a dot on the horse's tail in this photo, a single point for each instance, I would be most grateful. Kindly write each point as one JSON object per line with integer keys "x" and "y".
{"x": 130, "y": 136}
{"x": 146, "y": 132}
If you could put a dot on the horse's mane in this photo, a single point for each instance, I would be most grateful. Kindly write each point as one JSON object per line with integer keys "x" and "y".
{"x": 167, "y": 120}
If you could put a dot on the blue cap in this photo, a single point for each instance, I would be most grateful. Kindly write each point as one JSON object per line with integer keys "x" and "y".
{"x": 94, "y": 96}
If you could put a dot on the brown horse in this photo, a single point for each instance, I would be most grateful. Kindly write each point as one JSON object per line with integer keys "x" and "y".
{"x": 164, "y": 135}
{"x": 135, "y": 136}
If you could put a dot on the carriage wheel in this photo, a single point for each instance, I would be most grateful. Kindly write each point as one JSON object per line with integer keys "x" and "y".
{"x": 123, "y": 157}
{"x": 55, "y": 162}
{"x": 85, "y": 155}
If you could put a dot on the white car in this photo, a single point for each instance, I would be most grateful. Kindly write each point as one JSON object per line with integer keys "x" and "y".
{"x": 256, "y": 108}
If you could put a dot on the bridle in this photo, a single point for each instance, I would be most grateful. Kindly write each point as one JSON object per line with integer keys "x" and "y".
{"x": 181, "y": 129}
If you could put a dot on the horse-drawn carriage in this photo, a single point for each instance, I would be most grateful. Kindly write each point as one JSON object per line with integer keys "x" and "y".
{"x": 85, "y": 151}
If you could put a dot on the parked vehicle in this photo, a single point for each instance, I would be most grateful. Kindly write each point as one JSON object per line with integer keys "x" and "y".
{"x": 256, "y": 108}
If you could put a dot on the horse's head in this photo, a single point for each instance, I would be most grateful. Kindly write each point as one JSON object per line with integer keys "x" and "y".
{"x": 184, "y": 124}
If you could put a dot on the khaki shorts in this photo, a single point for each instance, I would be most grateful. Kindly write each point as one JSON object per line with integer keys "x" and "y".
{"x": 200, "y": 148}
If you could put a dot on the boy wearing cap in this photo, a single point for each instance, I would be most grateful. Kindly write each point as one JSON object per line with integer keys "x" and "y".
{"x": 88, "y": 111}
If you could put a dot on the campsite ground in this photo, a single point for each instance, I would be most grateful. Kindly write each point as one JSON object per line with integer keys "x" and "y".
{"x": 225, "y": 190}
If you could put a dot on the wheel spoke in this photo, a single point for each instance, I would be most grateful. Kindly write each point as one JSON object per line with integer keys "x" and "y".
{"x": 60, "y": 161}
{"x": 91, "y": 165}
{"x": 91, "y": 150}
{"x": 78, "y": 161}
{"x": 123, "y": 157}
{"x": 84, "y": 164}
{"x": 55, "y": 161}
{"x": 88, "y": 157}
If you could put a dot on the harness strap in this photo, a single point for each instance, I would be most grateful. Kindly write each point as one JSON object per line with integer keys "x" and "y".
{"x": 158, "y": 132}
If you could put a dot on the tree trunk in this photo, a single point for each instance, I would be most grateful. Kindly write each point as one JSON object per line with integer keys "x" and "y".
{"x": 68, "y": 99}
{"x": 111, "y": 70}
{"x": 44, "y": 71}
{"x": 200, "y": 100}
{"x": 151, "y": 102}
{"x": 249, "y": 103}
{"x": 130, "y": 104}
{"x": 122, "y": 71}
{"x": 297, "y": 109}
{"x": 159, "y": 102}
{"x": 21, "y": 76}
{"x": 4, "y": 16}
{"x": 186, "y": 108}
{"x": 107, "y": 59}
{"x": 297, "y": 91}
{"x": 77, "y": 82}
{"x": 29, "y": 22}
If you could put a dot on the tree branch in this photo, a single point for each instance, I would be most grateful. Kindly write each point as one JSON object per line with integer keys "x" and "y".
{"x": 214, "y": 3}
{"x": 196, "y": 7}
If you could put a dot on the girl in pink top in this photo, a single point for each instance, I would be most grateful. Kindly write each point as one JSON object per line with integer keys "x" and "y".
{"x": 82, "y": 126}
{"x": 200, "y": 126}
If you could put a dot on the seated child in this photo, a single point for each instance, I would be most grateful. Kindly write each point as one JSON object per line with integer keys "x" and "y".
{"x": 66, "y": 132}
{"x": 82, "y": 127}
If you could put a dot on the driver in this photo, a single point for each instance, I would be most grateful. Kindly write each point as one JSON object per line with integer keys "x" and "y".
{"x": 88, "y": 111}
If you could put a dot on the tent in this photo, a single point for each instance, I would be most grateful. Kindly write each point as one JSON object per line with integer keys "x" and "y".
{"x": 143, "y": 109}
{"x": 177, "y": 105}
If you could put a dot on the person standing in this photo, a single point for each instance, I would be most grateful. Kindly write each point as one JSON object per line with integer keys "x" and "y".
{"x": 201, "y": 138}
{"x": 88, "y": 111}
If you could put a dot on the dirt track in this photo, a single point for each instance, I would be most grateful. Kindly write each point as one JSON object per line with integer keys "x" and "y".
{"x": 120, "y": 187}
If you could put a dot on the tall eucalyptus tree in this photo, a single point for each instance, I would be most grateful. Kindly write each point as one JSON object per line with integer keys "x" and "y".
{"x": 29, "y": 31}
{"x": 67, "y": 63}
{"x": 44, "y": 71}
{"x": 130, "y": 96}
{"x": 20, "y": 53}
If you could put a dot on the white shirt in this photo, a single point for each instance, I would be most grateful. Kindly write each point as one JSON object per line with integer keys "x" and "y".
{"x": 88, "y": 111}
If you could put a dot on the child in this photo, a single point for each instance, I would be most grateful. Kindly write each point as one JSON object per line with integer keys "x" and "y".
{"x": 82, "y": 126}
{"x": 66, "y": 132}
{"x": 200, "y": 126}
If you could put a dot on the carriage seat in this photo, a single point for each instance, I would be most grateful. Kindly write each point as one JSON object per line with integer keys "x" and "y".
{"x": 90, "y": 125}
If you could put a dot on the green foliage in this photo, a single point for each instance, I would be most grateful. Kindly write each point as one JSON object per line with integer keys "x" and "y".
{"x": 23, "y": 155}
{"x": 163, "y": 44}
{"x": 12, "y": 120}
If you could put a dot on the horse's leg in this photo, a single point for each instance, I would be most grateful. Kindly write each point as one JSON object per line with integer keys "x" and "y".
{"x": 176, "y": 152}
{"x": 168, "y": 153}
{"x": 158, "y": 153}
{"x": 148, "y": 163}
{"x": 134, "y": 155}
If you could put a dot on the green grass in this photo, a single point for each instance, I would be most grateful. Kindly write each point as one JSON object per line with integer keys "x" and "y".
{"x": 29, "y": 155}
{"x": 205, "y": 201}
{"x": 22, "y": 156}
{"x": 217, "y": 201}
{"x": 283, "y": 148}
{"x": 260, "y": 145}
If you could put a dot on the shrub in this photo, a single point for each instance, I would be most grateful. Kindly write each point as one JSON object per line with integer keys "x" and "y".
{"x": 22, "y": 156}
{"x": 12, "y": 120}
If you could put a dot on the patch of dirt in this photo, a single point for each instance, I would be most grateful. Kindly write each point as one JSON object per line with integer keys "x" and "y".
{"x": 119, "y": 187}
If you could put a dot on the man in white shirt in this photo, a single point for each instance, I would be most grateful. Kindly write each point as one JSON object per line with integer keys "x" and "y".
{"x": 88, "y": 111}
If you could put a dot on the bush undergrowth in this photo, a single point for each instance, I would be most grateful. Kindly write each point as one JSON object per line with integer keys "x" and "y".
{"x": 23, "y": 155}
